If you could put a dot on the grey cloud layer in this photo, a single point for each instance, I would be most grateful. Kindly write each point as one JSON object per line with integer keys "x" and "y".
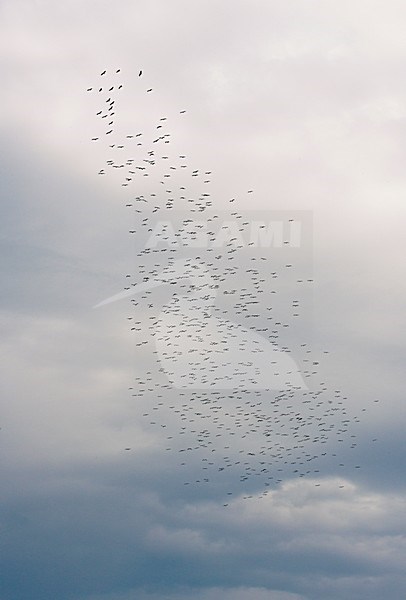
{"x": 306, "y": 104}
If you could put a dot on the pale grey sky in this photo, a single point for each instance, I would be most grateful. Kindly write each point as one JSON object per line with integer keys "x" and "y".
{"x": 304, "y": 102}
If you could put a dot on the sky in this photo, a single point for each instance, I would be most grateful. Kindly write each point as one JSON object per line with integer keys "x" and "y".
{"x": 305, "y": 104}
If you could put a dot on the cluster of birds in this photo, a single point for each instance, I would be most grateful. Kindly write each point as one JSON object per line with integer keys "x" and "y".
{"x": 235, "y": 391}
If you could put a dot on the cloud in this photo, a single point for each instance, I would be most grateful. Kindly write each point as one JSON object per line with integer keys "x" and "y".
{"x": 249, "y": 593}
{"x": 125, "y": 535}
{"x": 303, "y": 103}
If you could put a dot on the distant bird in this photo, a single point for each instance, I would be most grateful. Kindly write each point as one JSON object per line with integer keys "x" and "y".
{"x": 104, "y": 72}
{"x": 140, "y": 73}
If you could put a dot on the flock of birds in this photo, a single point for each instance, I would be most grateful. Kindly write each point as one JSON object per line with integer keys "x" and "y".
{"x": 234, "y": 391}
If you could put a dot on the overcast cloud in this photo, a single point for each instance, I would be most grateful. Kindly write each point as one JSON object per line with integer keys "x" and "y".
{"x": 303, "y": 102}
